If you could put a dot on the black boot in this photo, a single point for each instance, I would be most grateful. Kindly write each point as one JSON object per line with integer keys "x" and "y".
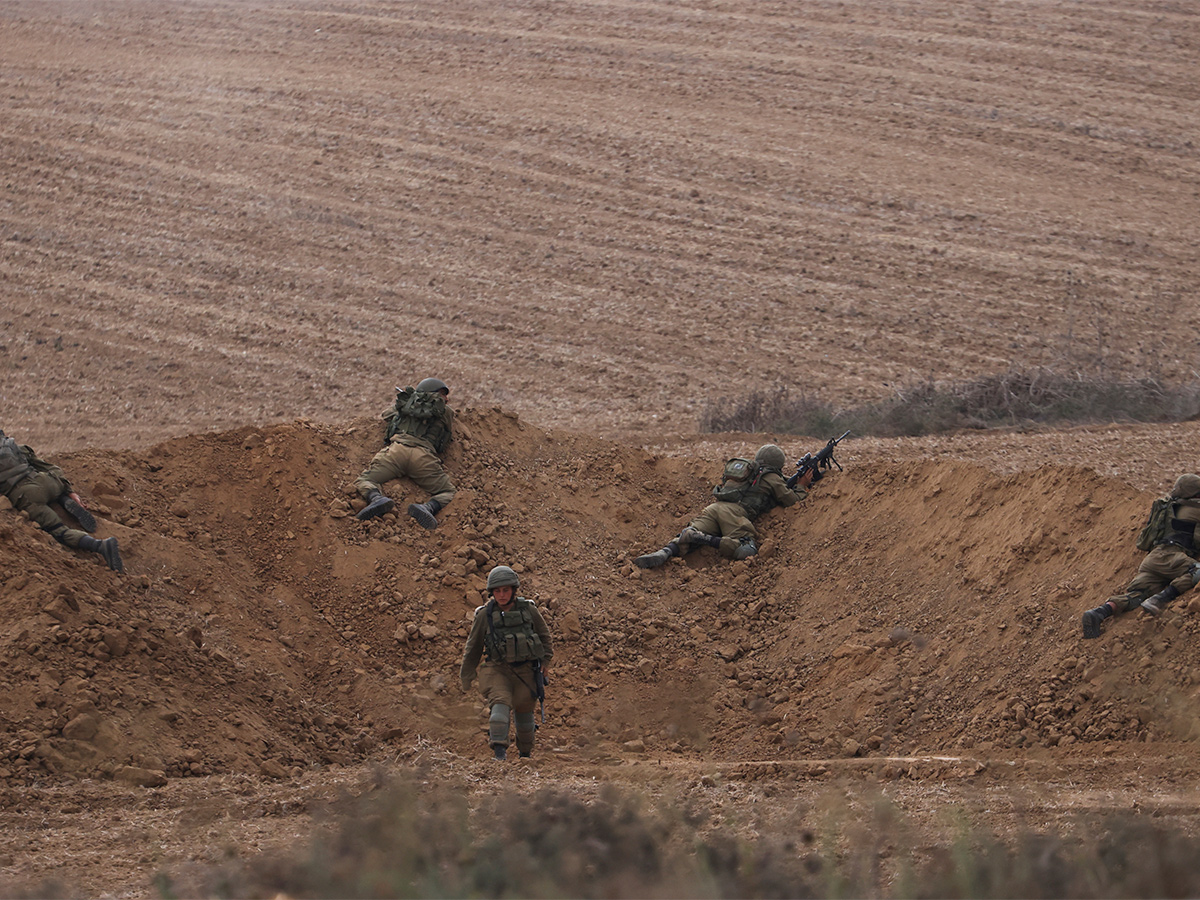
{"x": 1092, "y": 619}
{"x": 1157, "y": 603}
{"x": 106, "y": 548}
{"x": 692, "y": 537}
{"x": 82, "y": 515}
{"x": 658, "y": 557}
{"x": 425, "y": 513}
{"x": 377, "y": 505}
{"x": 499, "y": 751}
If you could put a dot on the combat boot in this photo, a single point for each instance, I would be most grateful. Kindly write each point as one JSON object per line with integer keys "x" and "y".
{"x": 377, "y": 505}
{"x": 107, "y": 548}
{"x": 658, "y": 557}
{"x": 499, "y": 751}
{"x": 694, "y": 537}
{"x": 82, "y": 515}
{"x": 1092, "y": 619}
{"x": 425, "y": 513}
{"x": 1158, "y": 602}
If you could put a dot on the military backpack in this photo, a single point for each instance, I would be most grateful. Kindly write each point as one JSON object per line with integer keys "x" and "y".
{"x": 14, "y": 464}
{"x": 737, "y": 479}
{"x": 422, "y": 414}
{"x": 1157, "y": 524}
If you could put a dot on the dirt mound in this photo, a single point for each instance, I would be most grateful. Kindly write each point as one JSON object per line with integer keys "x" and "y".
{"x": 261, "y": 628}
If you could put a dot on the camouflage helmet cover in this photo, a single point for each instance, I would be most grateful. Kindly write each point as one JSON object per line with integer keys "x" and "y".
{"x": 502, "y": 576}
{"x": 433, "y": 384}
{"x": 771, "y": 456}
{"x": 1186, "y": 487}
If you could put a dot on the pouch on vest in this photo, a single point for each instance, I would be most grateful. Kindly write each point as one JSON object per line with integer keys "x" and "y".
{"x": 738, "y": 477}
{"x": 1156, "y": 526}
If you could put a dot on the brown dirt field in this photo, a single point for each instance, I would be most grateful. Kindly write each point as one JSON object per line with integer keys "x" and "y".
{"x": 227, "y": 231}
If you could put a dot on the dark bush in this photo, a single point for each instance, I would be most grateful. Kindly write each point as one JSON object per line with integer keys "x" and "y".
{"x": 1038, "y": 396}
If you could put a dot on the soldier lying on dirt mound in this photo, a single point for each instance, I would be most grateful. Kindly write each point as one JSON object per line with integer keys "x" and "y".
{"x": 511, "y": 637}
{"x": 32, "y": 484}
{"x": 1171, "y": 566}
{"x": 418, "y": 431}
{"x": 748, "y": 489}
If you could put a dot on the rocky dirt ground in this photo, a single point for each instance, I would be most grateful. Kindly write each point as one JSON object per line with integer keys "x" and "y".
{"x": 227, "y": 231}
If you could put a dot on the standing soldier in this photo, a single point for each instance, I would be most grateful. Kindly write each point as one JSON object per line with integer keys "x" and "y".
{"x": 418, "y": 432}
{"x": 511, "y": 637}
{"x": 727, "y": 524}
{"x": 1169, "y": 569}
{"x": 32, "y": 484}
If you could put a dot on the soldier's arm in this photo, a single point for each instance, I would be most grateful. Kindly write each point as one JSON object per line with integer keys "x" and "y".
{"x": 784, "y": 495}
{"x": 473, "y": 652}
{"x": 543, "y": 632}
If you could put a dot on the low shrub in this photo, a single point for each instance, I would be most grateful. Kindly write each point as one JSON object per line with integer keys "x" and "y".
{"x": 412, "y": 841}
{"x": 1038, "y": 396}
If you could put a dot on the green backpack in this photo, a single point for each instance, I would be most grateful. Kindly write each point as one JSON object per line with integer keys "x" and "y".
{"x": 737, "y": 478}
{"x": 419, "y": 413}
{"x": 1157, "y": 523}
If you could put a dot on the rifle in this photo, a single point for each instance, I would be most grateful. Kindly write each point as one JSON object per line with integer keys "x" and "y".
{"x": 539, "y": 679}
{"x": 822, "y": 460}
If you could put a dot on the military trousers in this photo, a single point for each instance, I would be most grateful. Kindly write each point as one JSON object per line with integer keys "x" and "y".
{"x": 725, "y": 519}
{"x": 406, "y": 461}
{"x": 513, "y": 685}
{"x": 1165, "y": 564}
{"x": 33, "y": 497}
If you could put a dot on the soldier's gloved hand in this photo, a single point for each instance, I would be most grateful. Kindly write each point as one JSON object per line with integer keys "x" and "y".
{"x": 1194, "y": 571}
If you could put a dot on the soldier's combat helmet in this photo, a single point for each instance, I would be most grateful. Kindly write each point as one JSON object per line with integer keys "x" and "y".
{"x": 1186, "y": 487}
{"x": 502, "y": 576}
{"x": 433, "y": 384}
{"x": 770, "y": 456}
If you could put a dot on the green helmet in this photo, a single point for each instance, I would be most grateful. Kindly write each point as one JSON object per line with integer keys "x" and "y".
{"x": 502, "y": 576}
{"x": 433, "y": 384}
{"x": 1186, "y": 487}
{"x": 770, "y": 456}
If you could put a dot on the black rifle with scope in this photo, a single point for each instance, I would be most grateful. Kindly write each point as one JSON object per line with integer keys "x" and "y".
{"x": 816, "y": 463}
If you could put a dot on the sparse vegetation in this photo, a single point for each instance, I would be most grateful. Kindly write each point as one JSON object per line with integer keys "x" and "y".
{"x": 1016, "y": 397}
{"x": 402, "y": 842}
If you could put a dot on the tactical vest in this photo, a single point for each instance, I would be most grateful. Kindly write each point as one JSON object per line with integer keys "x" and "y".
{"x": 1181, "y": 532}
{"x": 510, "y": 635}
{"x": 760, "y": 498}
{"x": 421, "y": 414}
{"x": 14, "y": 466}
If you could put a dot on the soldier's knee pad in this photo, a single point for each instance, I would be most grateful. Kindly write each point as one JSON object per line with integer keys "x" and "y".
{"x": 525, "y": 722}
{"x": 498, "y": 724}
{"x": 732, "y": 548}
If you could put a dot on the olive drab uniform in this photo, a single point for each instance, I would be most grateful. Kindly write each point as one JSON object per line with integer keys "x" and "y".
{"x": 418, "y": 429}
{"x": 32, "y": 484}
{"x": 1168, "y": 570}
{"x": 733, "y": 522}
{"x": 509, "y": 643}
{"x": 728, "y": 522}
